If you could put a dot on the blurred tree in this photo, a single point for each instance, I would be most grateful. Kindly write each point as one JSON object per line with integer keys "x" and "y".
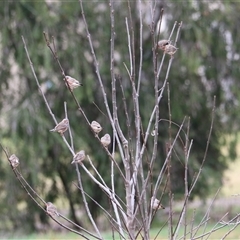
{"x": 205, "y": 65}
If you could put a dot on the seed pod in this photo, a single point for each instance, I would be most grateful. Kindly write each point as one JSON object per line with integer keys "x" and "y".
{"x": 51, "y": 209}
{"x": 106, "y": 140}
{"x": 153, "y": 133}
{"x": 14, "y": 161}
{"x": 170, "y": 49}
{"x": 79, "y": 157}
{"x": 155, "y": 204}
{"x": 72, "y": 82}
{"x": 61, "y": 127}
{"x": 96, "y": 127}
{"x": 162, "y": 44}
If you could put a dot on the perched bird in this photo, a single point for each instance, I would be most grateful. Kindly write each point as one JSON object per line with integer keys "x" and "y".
{"x": 170, "y": 49}
{"x": 51, "y": 209}
{"x": 155, "y": 204}
{"x": 61, "y": 127}
{"x": 14, "y": 161}
{"x": 79, "y": 157}
{"x": 162, "y": 44}
{"x": 167, "y": 47}
{"x": 106, "y": 140}
{"x": 72, "y": 82}
{"x": 96, "y": 127}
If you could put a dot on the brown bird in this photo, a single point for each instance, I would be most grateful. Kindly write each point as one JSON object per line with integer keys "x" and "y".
{"x": 79, "y": 157}
{"x": 72, "y": 82}
{"x": 96, "y": 127}
{"x": 170, "y": 49}
{"x": 61, "y": 127}
{"x": 162, "y": 44}
{"x": 155, "y": 204}
{"x": 51, "y": 209}
{"x": 106, "y": 140}
{"x": 14, "y": 161}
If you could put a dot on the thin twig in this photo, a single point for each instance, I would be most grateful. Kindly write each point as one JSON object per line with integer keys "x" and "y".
{"x": 186, "y": 155}
{"x": 102, "y": 89}
{"x": 115, "y": 117}
{"x": 184, "y": 207}
{"x": 214, "y": 229}
{"x": 206, "y": 150}
{"x": 140, "y": 47}
{"x": 130, "y": 189}
{"x": 108, "y": 215}
{"x": 81, "y": 228}
{"x": 25, "y": 187}
{"x": 160, "y": 175}
{"x": 170, "y": 196}
{"x": 86, "y": 205}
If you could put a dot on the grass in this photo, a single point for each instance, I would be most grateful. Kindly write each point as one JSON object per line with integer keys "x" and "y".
{"x": 231, "y": 180}
{"x": 163, "y": 235}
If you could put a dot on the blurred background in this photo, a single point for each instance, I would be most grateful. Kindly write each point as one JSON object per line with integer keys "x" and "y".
{"x": 205, "y": 65}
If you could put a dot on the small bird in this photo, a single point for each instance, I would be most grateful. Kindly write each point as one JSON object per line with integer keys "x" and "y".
{"x": 61, "y": 127}
{"x": 162, "y": 44}
{"x": 96, "y": 127}
{"x": 79, "y": 157}
{"x": 72, "y": 82}
{"x": 155, "y": 204}
{"x": 106, "y": 140}
{"x": 170, "y": 49}
{"x": 14, "y": 161}
{"x": 51, "y": 209}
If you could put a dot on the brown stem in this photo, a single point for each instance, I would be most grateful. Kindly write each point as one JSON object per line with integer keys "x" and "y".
{"x": 66, "y": 188}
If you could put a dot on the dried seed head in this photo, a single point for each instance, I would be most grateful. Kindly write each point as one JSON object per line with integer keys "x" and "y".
{"x": 162, "y": 44}
{"x": 106, "y": 140}
{"x": 155, "y": 204}
{"x": 96, "y": 127}
{"x": 61, "y": 127}
{"x": 170, "y": 49}
{"x": 51, "y": 209}
{"x": 153, "y": 133}
{"x": 79, "y": 157}
{"x": 14, "y": 161}
{"x": 72, "y": 82}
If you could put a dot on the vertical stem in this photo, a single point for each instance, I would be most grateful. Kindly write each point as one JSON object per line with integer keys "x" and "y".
{"x": 186, "y": 177}
{"x": 140, "y": 47}
{"x": 131, "y": 194}
{"x": 169, "y": 166}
